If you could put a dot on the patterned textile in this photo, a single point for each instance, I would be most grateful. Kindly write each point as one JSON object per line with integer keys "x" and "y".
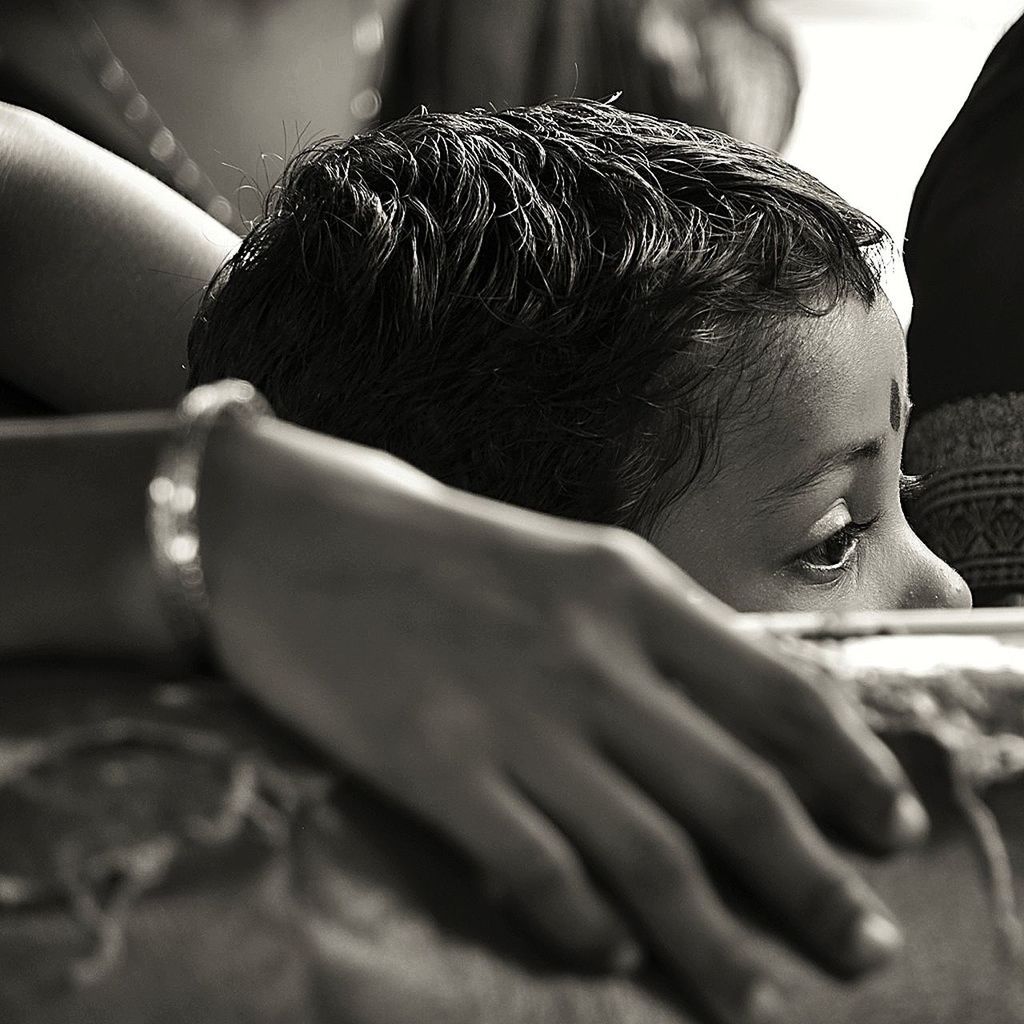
{"x": 970, "y": 510}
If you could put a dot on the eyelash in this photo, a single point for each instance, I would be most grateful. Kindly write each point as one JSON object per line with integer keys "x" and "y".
{"x": 850, "y": 534}
{"x": 910, "y": 485}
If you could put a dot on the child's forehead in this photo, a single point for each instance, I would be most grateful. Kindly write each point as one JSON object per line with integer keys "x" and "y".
{"x": 838, "y": 377}
{"x": 852, "y": 348}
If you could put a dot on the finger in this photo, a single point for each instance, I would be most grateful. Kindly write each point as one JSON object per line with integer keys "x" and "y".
{"x": 653, "y": 866}
{"x": 832, "y": 783}
{"x": 801, "y": 706}
{"x": 531, "y": 865}
{"x": 759, "y": 690}
{"x": 742, "y": 810}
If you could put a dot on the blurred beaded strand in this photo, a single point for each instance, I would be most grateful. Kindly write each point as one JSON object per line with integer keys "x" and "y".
{"x": 170, "y": 161}
{"x": 368, "y": 47}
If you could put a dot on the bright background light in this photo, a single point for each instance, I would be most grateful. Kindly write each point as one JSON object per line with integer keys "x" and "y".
{"x": 882, "y": 81}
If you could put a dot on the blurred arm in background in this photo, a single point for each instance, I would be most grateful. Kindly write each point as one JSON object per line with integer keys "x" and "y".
{"x": 100, "y": 274}
{"x": 211, "y": 97}
{"x": 71, "y": 341}
{"x": 208, "y": 97}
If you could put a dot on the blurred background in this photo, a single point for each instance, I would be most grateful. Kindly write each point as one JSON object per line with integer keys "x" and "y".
{"x": 212, "y": 95}
{"x": 882, "y": 80}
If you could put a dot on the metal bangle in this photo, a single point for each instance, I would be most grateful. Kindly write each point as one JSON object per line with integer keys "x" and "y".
{"x": 173, "y": 500}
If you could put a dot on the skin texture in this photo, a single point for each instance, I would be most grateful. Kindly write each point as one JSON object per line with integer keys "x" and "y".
{"x": 533, "y": 713}
{"x": 509, "y": 678}
{"x": 840, "y": 540}
{"x": 97, "y": 251}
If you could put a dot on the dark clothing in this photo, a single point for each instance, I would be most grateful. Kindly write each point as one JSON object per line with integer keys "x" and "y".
{"x": 965, "y": 244}
{"x": 965, "y": 262}
{"x": 700, "y": 63}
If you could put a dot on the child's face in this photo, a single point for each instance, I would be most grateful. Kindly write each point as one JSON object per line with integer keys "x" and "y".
{"x": 805, "y": 511}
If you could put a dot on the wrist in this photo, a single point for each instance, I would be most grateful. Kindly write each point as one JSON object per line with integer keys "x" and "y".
{"x": 74, "y": 560}
{"x": 173, "y": 494}
{"x": 269, "y": 489}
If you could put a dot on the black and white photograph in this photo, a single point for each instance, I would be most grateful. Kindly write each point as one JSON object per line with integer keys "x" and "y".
{"x": 511, "y": 512}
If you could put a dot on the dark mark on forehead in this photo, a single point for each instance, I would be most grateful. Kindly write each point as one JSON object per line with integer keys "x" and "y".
{"x": 895, "y": 406}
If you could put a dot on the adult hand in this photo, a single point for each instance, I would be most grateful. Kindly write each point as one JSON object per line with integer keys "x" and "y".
{"x": 558, "y": 700}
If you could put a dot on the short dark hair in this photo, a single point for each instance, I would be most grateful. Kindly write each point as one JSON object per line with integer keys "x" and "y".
{"x": 535, "y": 305}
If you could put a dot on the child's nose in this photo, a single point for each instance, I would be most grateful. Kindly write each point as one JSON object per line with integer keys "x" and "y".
{"x": 935, "y": 583}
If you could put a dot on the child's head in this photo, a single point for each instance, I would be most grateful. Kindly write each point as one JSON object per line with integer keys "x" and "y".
{"x": 599, "y": 315}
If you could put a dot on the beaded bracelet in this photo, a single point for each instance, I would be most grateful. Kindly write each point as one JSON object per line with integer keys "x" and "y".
{"x": 172, "y": 519}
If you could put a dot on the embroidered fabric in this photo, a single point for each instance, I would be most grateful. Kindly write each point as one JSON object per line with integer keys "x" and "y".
{"x": 970, "y": 510}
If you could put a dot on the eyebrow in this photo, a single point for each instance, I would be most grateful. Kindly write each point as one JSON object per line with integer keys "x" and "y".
{"x": 823, "y": 466}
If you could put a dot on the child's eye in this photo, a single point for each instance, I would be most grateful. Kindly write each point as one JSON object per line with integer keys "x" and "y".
{"x": 835, "y": 553}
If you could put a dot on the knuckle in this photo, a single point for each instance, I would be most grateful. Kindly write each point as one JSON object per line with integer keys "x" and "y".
{"x": 730, "y": 974}
{"x": 806, "y": 716}
{"x": 610, "y": 589}
{"x": 820, "y": 717}
{"x": 800, "y": 692}
{"x": 829, "y": 902}
{"x": 658, "y": 867}
{"x": 616, "y": 555}
{"x": 814, "y": 701}
{"x": 759, "y": 810}
{"x": 538, "y": 873}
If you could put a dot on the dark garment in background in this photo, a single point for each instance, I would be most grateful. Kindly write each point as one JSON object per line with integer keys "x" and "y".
{"x": 965, "y": 244}
{"x": 719, "y": 64}
{"x": 965, "y": 262}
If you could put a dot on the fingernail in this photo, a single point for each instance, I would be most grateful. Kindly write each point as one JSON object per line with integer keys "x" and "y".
{"x": 875, "y": 939}
{"x": 626, "y": 958}
{"x": 909, "y": 819}
{"x": 764, "y": 1004}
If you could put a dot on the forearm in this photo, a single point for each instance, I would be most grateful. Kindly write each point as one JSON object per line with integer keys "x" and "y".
{"x": 75, "y": 564}
{"x": 102, "y": 271}
{"x": 74, "y": 558}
